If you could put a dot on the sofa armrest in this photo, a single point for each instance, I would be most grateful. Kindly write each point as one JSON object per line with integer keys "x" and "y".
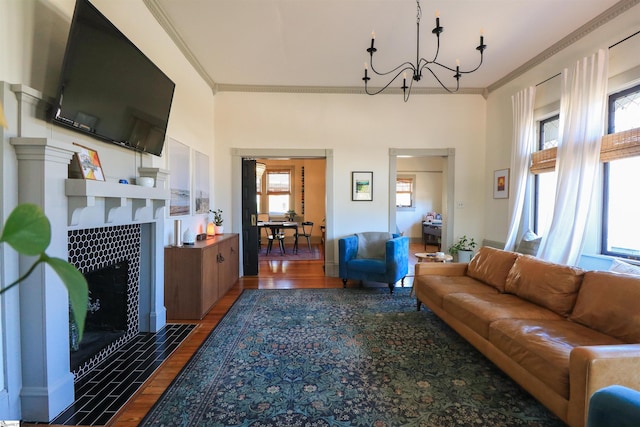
{"x": 594, "y": 367}
{"x": 441, "y": 268}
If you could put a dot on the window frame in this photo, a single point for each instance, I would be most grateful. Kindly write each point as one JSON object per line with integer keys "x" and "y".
{"x": 536, "y": 186}
{"x": 604, "y": 231}
{"x": 412, "y": 193}
{"x": 290, "y": 193}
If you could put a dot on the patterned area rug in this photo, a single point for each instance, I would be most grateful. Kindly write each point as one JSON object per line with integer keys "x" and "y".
{"x": 340, "y": 357}
{"x": 303, "y": 254}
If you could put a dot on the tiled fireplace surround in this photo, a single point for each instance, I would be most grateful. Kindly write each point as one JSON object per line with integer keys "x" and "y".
{"x": 74, "y": 204}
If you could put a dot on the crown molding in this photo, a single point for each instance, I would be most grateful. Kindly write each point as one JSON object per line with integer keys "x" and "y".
{"x": 614, "y": 11}
{"x": 340, "y": 90}
{"x": 167, "y": 25}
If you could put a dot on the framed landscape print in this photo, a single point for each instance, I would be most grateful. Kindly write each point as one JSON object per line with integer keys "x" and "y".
{"x": 501, "y": 184}
{"x": 89, "y": 163}
{"x": 179, "y": 156}
{"x": 202, "y": 183}
{"x": 362, "y": 186}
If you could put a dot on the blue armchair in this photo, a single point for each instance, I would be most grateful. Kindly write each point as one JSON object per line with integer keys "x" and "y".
{"x": 614, "y": 405}
{"x": 374, "y": 256}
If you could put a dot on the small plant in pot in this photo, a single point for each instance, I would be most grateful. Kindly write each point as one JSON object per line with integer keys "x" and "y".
{"x": 217, "y": 220}
{"x": 291, "y": 215}
{"x": 463, "y": 249}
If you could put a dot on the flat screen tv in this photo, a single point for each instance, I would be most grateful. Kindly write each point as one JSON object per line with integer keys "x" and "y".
{"x": 108, "y": 88}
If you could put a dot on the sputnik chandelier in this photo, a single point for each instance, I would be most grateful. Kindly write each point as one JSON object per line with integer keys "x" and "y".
{"x": 420, "y": 65}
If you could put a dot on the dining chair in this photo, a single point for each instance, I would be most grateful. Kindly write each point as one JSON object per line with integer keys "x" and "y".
{"x": 276, "y": 233}
{"x": 307, "y": 229}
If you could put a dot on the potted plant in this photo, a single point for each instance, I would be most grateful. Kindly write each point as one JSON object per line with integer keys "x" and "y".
{"x": 463, "y": 249}
{"x": 217, "y": 220}
{"x": 291, "y": 215}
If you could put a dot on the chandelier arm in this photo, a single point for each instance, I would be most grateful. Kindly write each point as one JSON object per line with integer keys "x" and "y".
{"x": 442, "y": 84}
{"x": 366, "y": 89}
{"x": 402, "y": 67}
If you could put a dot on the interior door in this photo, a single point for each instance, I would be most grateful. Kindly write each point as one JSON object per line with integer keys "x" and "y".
{"x": 249, "y": 218}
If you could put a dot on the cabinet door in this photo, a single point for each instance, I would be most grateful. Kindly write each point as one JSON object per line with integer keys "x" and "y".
{"x": 210, "y": 283}
{"x": 229, "y": 265}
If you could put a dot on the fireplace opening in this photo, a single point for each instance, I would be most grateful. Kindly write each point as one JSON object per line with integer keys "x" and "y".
{"x": 106, "y": 312}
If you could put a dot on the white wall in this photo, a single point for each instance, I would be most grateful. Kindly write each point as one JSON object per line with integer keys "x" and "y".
{"x": 360, "y": 130}
{"x": 624, "y": 69}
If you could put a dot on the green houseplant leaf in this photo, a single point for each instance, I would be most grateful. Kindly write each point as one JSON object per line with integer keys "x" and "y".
{"x": 27, "y": 230}
{"x": 76, "y": 286}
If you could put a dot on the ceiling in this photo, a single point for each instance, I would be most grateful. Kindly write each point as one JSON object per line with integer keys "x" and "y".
{"x": 322, "y": 43}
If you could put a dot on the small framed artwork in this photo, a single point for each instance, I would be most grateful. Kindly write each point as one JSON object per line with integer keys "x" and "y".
{"x": 501, "y": 184}
{"x": 89, "y": 163}
{"x": 179, "y": 180}
{"x": 202, "y": 183}
{"x": 362, "y": 186}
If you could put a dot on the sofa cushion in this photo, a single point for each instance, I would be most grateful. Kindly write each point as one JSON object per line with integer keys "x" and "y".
{"x": 477, "y": 311}
{"x": 542, "y": 347}
{"x": 492, "y": 266}
{"x": 372, "y": 244}
{"x": 435, "y": 288}
{"x": 608, "y": 302}
{"x": 550, "y": 285}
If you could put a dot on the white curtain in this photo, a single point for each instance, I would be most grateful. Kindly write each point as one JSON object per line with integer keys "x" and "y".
{"x": 582, "y": 111}
{"x": 524, "y": 135}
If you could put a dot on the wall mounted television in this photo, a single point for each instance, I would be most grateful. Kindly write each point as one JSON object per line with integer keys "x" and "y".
{"x": 108, "y": 88}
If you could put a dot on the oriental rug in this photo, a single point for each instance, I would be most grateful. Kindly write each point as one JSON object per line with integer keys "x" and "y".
{"x": 340, "y": 357}
{"x": 302, "y": 254}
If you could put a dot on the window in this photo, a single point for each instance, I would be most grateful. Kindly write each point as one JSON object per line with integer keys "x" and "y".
{"x": 620, "y": 230}
{"x": 405, "y": 191}
{"x": 545, "y": 181}
{"x": 278, "y": 190}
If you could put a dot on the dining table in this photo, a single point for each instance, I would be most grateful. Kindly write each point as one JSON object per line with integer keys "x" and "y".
{"x": 277, "y": 227}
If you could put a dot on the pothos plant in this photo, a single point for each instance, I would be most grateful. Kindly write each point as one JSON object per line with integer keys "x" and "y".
{"x": 28, "y": 231}
{"x": 463, "y": 244}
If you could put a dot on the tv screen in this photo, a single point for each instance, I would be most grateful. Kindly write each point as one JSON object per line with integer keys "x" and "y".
{"x": 109, "y": 88}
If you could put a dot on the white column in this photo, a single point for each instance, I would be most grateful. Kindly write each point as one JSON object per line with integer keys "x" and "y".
{"x": 47, "y": 383}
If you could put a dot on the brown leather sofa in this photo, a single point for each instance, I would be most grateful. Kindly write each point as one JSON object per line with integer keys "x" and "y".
{"x": 559, "y": 332}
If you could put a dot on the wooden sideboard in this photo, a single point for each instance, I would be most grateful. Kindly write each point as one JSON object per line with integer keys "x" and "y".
{"x": 197, "y": 276}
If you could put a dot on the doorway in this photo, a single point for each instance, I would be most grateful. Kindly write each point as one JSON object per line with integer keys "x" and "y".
{"x": 447, "y": 156}
{"x": 290, "y": 155}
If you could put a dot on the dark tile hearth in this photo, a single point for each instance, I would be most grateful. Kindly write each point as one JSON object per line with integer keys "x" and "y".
{"x": 102, "y": 392}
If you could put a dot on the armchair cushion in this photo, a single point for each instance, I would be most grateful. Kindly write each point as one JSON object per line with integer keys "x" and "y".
{"x": 371, "y": 244}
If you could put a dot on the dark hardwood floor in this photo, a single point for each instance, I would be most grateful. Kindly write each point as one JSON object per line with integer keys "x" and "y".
{"x": 272, "y": 275}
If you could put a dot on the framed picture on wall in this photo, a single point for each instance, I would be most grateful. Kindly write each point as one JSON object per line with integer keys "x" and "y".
{"x": 501, "y": 184}
{"x": 179, "y": 180}
{"x": 362, "y": 186}
{"x": 202, "y": 183}
{"x": 89, "y": 163}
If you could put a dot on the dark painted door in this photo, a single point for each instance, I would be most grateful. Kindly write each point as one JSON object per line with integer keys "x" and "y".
{"x": 249, "y": 218}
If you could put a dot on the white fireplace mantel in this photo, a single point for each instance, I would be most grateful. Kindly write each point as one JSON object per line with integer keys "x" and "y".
{"x": 140, "y": 202}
